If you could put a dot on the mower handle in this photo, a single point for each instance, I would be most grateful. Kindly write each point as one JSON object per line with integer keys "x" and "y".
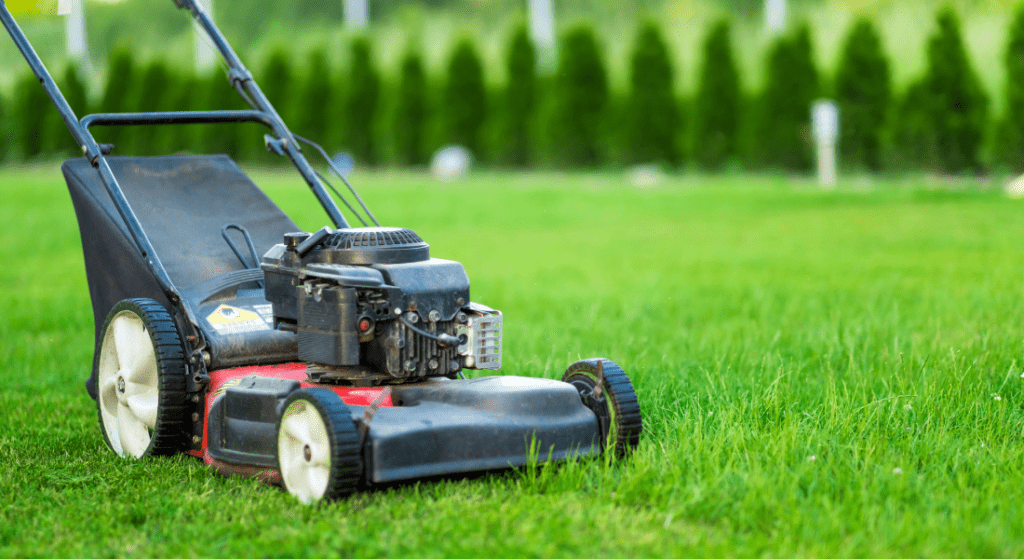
{"x": 176, "y": 117}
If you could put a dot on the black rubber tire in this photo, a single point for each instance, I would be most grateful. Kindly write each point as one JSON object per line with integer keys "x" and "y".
{"x": 346, "y": 463}
{"x": 170, "y": 435}
{"x": 616, "y": 407}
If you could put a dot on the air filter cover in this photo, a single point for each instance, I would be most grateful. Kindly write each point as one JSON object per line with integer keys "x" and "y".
{"x": 373, "y": 245}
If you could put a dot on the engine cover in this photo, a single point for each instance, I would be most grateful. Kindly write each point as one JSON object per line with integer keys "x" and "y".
{"x": 371, "y": 300}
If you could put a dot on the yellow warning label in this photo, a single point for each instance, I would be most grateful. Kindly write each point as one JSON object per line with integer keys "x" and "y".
{"x": 228, "y": 315}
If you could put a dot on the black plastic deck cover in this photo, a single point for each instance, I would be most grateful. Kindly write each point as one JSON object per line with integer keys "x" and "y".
{"x": 182, "y": 202}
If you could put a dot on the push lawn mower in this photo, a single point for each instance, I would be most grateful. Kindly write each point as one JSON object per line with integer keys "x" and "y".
{"x": 323, "y": 361}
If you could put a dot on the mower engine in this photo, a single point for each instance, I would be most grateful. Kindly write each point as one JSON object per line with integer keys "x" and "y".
{"x": 370, "y": 306}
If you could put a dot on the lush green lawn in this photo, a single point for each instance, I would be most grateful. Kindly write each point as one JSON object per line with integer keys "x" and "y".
{"x": 822, "y": 374}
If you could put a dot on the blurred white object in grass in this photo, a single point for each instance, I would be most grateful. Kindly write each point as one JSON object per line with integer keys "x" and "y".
{"x": 206, "y": 54}
{"x": 542, "y": 32}
{"x": 1015, "y": 189}
{"x": 74, "y": 32}
{"x": 774, "y": 15}
{"x": 644, "y": 176}
{"x": 451, "y": 163}
{"x": 825, "y": 125}
{"x": 357, "y": 14}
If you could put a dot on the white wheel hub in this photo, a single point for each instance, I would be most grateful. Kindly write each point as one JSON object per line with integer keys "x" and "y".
{"x": 128, "y": 385}
{"x": 304, "y": 452}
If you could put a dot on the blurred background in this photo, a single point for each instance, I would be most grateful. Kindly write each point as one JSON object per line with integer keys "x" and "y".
{"x": 687, "y": 85}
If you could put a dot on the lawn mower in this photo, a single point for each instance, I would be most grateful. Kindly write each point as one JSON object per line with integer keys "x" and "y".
{"x": 325, "y": 362}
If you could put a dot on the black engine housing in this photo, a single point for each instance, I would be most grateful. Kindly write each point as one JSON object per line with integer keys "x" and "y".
{"x": 357, "y": 299}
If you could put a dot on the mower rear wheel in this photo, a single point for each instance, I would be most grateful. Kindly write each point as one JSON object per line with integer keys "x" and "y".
{"x": 615, "y": 404}
{"x": 318, "y": 446}
{"x": 141, "y": 381}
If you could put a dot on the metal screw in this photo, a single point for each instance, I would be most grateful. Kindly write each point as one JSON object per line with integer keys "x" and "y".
{"x": 206, "y": 358}
{"x": 462, "y": 318}
{"x": 434, "y": 316}
{"x": 460, "y": 301}
{"x": 410, "y": 365}
{"x": 453, "y": 366}
{"x": 412, "y": 317}
{"x": 433, "y": 363}
{"x": 196, "y": 439}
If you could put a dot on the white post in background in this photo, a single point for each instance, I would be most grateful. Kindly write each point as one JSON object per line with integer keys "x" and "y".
{"x": 825, "y": 124}
{"x": 357, "y": 14}
{"x": 74, "y": 32}
{"x": 206, "y": 54}
{"x": 542, "y": 32}
{"x": 774, "y": 15}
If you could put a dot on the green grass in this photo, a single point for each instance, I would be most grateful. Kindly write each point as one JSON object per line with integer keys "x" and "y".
{"x": 822, "y": 374}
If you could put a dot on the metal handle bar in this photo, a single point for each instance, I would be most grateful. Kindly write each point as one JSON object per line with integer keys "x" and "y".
{"x": 176, "y": 117}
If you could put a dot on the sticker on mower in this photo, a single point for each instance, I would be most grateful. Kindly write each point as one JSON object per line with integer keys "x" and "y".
{"x": 229, "y": 320}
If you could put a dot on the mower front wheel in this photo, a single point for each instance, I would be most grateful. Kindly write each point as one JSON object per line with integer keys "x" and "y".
{"x": 607, "y": 391}
{"x": 141, "y": 381}
{"x": 318, "y": 446}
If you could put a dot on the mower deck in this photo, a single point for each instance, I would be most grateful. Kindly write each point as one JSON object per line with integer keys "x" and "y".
{"x": 430, "y": 428}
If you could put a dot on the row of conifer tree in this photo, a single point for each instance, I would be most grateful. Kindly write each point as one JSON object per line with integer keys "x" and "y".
{"x": 941, "y": 122}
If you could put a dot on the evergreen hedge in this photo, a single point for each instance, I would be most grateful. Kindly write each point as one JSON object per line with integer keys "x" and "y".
{"x": 717, "y": 105}
{"x": 153, "y": 95}
{"x": 783, "y": 132}
{"x": 1011, "y": 131}
{"x": 653, "y": 120}
{"x": 228, "y": 138}
{"x": 863, "y": 93}
{"x": 361, "y": 104}
{"x": 581, "y": 91}
{"x": 958, "y": 107}
{"x": 520, "y": 97}
{"x": 276, "y": 81}
{"x": 34, "y": 108}
{"x": 465, "y": 98}
{"x": 411, "y": 112}
{"x": 316, "y": 113}
{"x": 117, "y": 93}
{"x": 60, "y": 141}
{"x": 187, "y": 96}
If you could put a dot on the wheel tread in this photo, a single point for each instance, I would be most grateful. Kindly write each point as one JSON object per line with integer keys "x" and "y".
{"x": 172, "y": 424}
{"x": 346, "y": 451}
{"x": 623, "y": 398}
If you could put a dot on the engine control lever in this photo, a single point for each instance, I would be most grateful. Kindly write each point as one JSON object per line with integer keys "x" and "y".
{"x": 313, "y": 240}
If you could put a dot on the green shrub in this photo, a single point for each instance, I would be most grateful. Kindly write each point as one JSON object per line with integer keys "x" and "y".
{"x": 653, "y": 118}
{"x": 1011, "y": 131}
{"x": 275, "y": 80}
{"x": 153, "y": 95}
{"x": 361, "y": 104}
{"x": 59, "y": 139}
{"x": 581, "y": 90}
{"x": 717, "y": 106}
{"x": 228, "y": 138}
{"x": 411, "y": 112}
{"x": 465, "y": 98}
{"x": 863, "y": 93}
{"x": 520, "y": 97}
{"x": 34, "y": 108}
{"x": 959, "y": 106}
{"x": 118, "y": 92}
{"x": 186, "y": 95}
{"x": 783, "y": 137}
{"x": 914, "y": 133}
{"x": 316, "y": 111}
